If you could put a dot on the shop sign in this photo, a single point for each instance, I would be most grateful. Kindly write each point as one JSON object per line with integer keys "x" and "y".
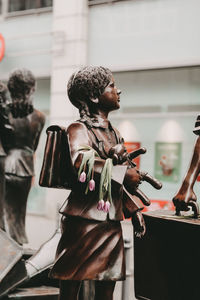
{"x": 132, "y": 146}
{"x": 159, "y": 204}
{"x": 2, "y": 46}
{"x": 167, "y": 161}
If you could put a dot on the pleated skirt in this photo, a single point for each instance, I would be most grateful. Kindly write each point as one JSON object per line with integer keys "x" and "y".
{"x": 89, "y": 250}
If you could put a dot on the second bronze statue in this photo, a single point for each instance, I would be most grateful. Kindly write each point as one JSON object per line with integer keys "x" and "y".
{"x": 185, "y": 197}
{"x": 27, "y": 124}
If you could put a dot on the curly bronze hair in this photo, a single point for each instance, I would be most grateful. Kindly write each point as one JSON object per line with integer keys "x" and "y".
{"x": 20, "y": 82}
{"x": 85, "y": 85}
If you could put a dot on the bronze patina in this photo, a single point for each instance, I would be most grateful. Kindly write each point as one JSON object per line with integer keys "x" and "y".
{"x": 104, "y": 187}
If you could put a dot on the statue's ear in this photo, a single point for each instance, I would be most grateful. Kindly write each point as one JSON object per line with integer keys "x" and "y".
{"x": 95, "y": 100}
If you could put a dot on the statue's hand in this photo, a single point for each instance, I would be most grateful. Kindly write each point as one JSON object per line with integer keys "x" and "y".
{"x": 118, "y": 153}
{"x": 138, "y": 224}
{"x": 132, "y": 179}
{"x": 185, "y": 199}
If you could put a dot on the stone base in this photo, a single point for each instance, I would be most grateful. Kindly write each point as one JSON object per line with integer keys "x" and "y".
{"x": 167, "y": 258}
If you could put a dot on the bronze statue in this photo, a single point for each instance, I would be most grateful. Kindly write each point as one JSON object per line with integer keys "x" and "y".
{"x": 103, "y": 180}
{"x": 5, "y": 132}
{"x": 185, "y": 197}
{"x": 27, "y": 124}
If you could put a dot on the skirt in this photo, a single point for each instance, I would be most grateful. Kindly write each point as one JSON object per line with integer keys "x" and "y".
{"x": 16, "y": 195}
{"x": 89, "y": 250}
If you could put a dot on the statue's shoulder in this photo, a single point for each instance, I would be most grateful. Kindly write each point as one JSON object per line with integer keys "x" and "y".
{"x": 77, "y": 126}
{"x": 40, "y": 116}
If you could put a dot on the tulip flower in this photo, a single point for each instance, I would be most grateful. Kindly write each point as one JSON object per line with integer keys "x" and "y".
{"x": 100, "y": 205}
{"x": 91, "y": 185}
{"x": 106, "y": 206}
{"x": 82, "y": 177}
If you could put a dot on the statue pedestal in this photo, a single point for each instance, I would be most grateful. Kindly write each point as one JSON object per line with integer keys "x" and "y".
{"x": 36, "y": 293}
{"x": 167, "y": 262}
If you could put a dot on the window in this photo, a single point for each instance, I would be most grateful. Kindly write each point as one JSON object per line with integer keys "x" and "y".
{"x": 98, "y": 1}
{"x": 91, "y": 2}
{"x": 20, "y": 5}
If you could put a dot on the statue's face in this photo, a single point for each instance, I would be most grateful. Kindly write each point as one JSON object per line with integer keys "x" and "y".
{"x": 110, "y": 99}
{"x": 30, "y": 91}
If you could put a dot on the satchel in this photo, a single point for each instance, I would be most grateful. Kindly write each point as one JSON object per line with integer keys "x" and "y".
{"x": 57, "y": 170}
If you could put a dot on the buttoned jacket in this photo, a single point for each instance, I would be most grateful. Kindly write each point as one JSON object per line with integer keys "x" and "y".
{"x": 101, "y": 138}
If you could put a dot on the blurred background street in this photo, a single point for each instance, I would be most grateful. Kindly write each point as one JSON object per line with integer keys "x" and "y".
{"x": 153, "y": 50}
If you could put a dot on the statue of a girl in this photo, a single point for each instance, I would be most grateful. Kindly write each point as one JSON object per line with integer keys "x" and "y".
{"x": 91, "y": 245}
{"x": 27, "y": 124}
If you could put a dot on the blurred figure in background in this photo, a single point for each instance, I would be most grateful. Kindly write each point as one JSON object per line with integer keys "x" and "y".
{"x": 27, "y": 124}
{"x": 5, "y": 132}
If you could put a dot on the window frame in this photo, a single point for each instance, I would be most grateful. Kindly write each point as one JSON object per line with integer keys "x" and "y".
{"x": 28, "y": 11}
{"x": 96, "y": 2}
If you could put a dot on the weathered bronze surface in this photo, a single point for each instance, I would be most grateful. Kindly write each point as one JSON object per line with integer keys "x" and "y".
{"x": 20, "y": 128}
{"x": 26, "y": 123}
{"x": 91, "y": 245}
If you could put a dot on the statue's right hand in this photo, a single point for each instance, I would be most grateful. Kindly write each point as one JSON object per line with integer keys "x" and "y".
{"x": 185, "y": 199}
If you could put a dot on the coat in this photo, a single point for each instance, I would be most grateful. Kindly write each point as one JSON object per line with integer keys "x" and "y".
{"x": 100, "y": 138}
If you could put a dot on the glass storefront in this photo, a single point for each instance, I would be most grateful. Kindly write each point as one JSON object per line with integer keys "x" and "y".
{"x": 158, "y": 111}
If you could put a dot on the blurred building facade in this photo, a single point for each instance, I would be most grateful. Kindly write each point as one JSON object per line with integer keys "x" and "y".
{"x": 153, "y": 49}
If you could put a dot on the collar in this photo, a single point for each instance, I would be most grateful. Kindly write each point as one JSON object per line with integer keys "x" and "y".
{"x": 101, "y": 123}
{"x": 98, "y": 122}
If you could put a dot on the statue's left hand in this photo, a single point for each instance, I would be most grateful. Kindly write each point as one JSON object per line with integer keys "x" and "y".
{"x": 138, "y": 224}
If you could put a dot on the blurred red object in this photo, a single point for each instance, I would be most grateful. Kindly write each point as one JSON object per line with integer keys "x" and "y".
{"x": 159, "y": 204}
{"x": 132, "y": 146}
{"x": 2, "y": 46}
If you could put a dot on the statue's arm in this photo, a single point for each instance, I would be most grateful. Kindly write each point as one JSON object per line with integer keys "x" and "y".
{"x": 41, "y": 122}
{"x": 122, "y": 173}
{"x": 185, "y": 195}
